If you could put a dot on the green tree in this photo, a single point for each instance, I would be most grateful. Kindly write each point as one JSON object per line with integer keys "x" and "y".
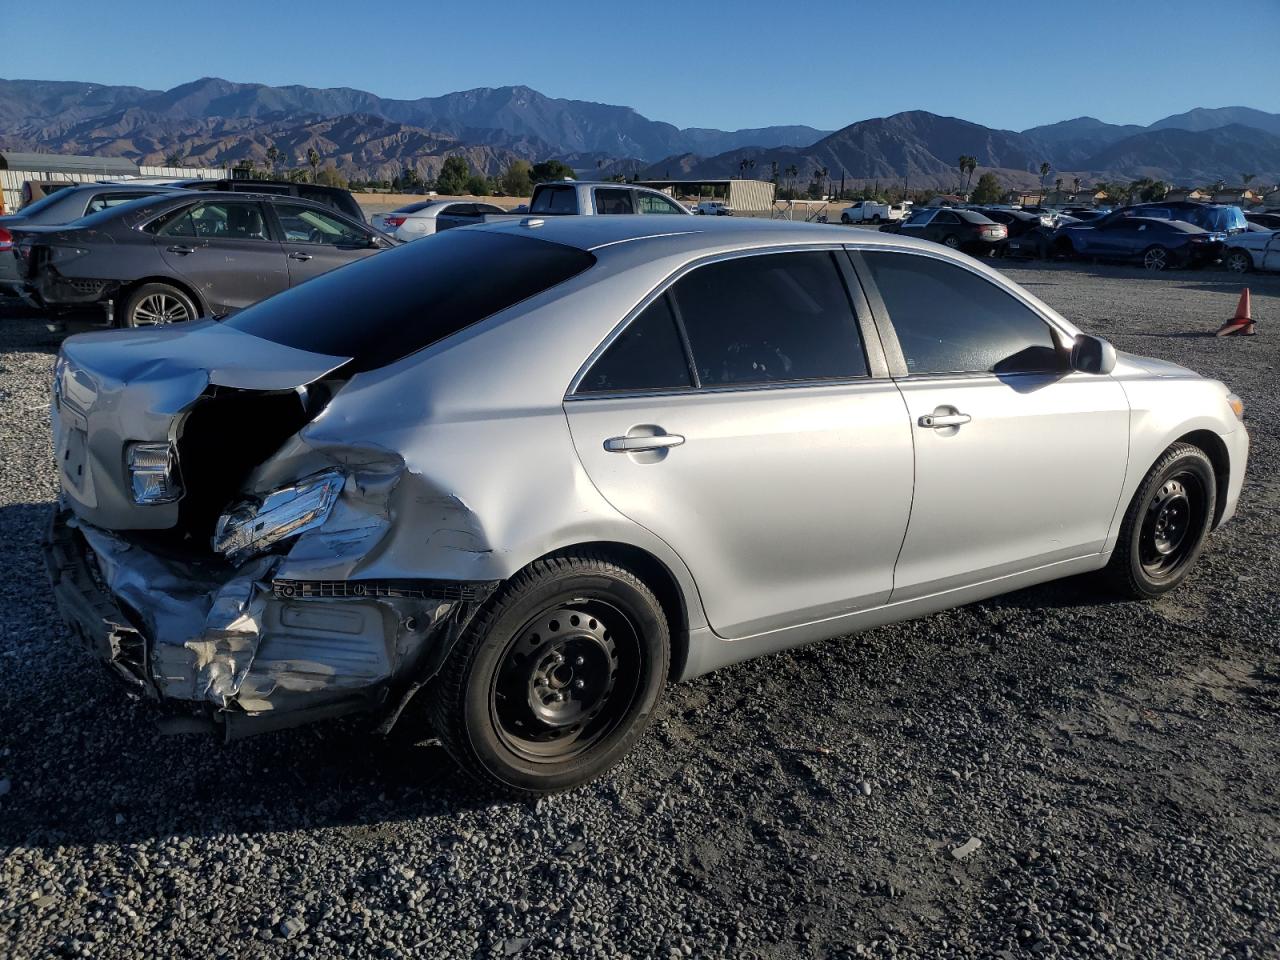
{"x": 517, "y": 179}
{"x": 988, "y": 189}
{"x": 551, "y": 170}
{"x": 331, "y": 177}
{"x": 966, "y": 165}
{"x": 173, "y": 158}
{"x": 479, "y": 185}
{"x": 313, "y": 161}
{"x": 453, "y": 176}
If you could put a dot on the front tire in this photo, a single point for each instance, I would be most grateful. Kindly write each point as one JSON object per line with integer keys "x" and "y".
{"x": 157, "y": 304}
{"x": 1155, "y": 258}
{"x": 557, "y": 677}
{"x": 1166, "y": 526}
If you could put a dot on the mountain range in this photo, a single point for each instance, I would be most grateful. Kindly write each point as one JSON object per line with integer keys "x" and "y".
{"x": 219, "y": 122}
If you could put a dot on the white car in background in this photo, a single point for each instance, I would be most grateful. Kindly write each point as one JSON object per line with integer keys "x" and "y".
{"x": 425, "y": 217}
{"x": 1252, "y": 250}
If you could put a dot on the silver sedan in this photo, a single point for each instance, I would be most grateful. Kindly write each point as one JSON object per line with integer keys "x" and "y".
{"x": 532, "y": 471}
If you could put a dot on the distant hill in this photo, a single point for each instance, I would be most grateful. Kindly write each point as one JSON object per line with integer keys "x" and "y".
{"x": 220, "y": 122}
{"x": 30, "y": 108}
{"x": 1203, "y": 118}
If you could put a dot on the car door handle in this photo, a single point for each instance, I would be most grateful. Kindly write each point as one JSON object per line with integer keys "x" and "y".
{"x": 640, "y": 444}
{"x": 936, "y": 421}
{"x": 300, "y": 256}
{"x": 181, "y": 250}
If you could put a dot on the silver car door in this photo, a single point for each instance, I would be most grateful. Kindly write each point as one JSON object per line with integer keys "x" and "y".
{"x": 1019, "y": 461}
{"x": 735, "y": 415}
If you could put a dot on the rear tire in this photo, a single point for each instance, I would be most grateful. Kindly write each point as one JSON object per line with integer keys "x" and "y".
{"x": 157, "y": 304}
{"x": 556, "y": 678}
{"x": 952, "y": 241}
{"x": 1166, "y": 525}
{"x": 1238, "y": 261}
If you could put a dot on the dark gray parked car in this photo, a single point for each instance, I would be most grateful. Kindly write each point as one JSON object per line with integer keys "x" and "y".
{"x": 177, "y": 257}
{"x": 64, "y": 206}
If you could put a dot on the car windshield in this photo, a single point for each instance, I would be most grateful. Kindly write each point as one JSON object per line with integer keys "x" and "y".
{"x": 384, "y": 308}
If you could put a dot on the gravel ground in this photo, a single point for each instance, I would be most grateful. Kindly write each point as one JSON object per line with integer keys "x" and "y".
{"x": 1117, "y": 762}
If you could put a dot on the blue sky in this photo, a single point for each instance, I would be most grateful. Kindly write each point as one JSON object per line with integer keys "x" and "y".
{"x": 729, "y": 65}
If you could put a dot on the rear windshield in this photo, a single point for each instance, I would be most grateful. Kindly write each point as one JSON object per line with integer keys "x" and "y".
{"x": 555, "y": 200}
{"x": 392, "y": 304}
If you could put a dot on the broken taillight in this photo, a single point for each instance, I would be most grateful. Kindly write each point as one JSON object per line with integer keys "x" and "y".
{"x": 6, "y": 240}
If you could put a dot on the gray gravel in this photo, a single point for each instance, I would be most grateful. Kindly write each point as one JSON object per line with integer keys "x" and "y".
{"x": 1117, "y": 763}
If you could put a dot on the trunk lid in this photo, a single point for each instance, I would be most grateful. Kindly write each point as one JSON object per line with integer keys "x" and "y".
{"x": 116, "y": 388}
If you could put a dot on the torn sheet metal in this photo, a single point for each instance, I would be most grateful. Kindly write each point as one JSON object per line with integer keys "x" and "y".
{"x": 229, "y": 638}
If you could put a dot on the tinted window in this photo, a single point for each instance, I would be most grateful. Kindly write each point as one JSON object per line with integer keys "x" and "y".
{"x": 950, "y": 320}
{"x": 387, "y": 306}
{"x": 769, "y": 319}
{"x": 614, "y": 201}
{"x": 104, "y": 200}
{"x": 554, "y": 200}
{"x": 651, "y": 203}
{"x": 647, "y": 355}
{"x": 946, "y": 216}
{"x": 217, "y": 221}
{"x": 306, "y": 224}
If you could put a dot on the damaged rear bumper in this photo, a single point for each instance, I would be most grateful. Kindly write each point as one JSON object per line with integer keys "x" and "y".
{"x": 252, "y": 652}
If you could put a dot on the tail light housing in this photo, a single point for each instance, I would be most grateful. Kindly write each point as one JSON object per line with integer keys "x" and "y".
{"x": 6, "y": 240}
{"x": 392, "y": 221}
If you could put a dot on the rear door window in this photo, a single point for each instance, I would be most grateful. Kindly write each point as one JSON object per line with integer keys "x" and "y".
{"x": 648, "y": 355}
{"x": 609, "y": 201}
{"x": 951, "y": 320}
{"x": 769, "y": 318}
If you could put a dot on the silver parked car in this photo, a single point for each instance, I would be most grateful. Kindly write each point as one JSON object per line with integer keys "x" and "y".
{"x": 533, "y": 470}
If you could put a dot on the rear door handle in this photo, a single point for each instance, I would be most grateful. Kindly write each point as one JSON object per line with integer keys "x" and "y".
{"x": 640, "y": 444}
{"x": 181, "y": 250}
{"x": 296, "y": 255}
{"x": 939, "y": 420}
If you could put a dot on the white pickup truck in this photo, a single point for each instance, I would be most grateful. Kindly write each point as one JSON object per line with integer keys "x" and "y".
{"x": 869, "y": 211}
{"x": 589, "y": 198}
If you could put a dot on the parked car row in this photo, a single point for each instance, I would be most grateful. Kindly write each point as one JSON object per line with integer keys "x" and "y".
{"x": 1156, "y": 235}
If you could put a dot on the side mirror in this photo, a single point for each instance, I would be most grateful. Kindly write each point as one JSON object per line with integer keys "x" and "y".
{"x": 1092, "y": 355}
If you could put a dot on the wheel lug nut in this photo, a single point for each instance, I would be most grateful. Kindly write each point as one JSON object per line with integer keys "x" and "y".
{"x": 578, "y": 684}
{"x": 580, "y": 661}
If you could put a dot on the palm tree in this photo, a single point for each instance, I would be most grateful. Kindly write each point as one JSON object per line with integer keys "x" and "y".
{"x": 313, "y": 161}
{"x": 820, "y": 175}
{"x": 966, "y": 165}
{"x": 1045, "y": 169}
{"x": 745, "y": 164}
{"x": 1075, "y": 184}
{"x": 791, "y": 173}
{"x": 273, "y": 158}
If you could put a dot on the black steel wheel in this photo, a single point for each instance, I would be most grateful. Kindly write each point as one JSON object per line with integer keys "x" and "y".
{"x": 1166, "y": 525}
{"x": 556, "y": 677}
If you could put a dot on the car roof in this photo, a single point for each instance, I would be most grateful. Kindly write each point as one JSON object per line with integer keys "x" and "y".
{"x": 595, "y": 233}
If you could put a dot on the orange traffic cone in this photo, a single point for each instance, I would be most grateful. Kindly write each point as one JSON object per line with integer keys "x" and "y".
{"x": 1241, "y": 325}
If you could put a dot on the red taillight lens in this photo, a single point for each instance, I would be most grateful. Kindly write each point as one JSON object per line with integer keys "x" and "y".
{"x": 6, "y": 240}
{"x": 394, "y": 221}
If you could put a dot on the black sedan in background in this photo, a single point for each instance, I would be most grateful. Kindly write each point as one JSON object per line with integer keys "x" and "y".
{"x": 1027, "y": 234}
{"x": 1267, "y": 221}
{"x": 179, "y": 256}
{"x": 959, "y": 229}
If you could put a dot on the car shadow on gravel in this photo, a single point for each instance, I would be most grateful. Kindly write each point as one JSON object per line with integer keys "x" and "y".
{"x": 82, "y": 763}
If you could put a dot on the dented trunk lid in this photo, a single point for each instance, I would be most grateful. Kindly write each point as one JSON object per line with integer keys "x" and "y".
{"x": 119, "y": 387}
